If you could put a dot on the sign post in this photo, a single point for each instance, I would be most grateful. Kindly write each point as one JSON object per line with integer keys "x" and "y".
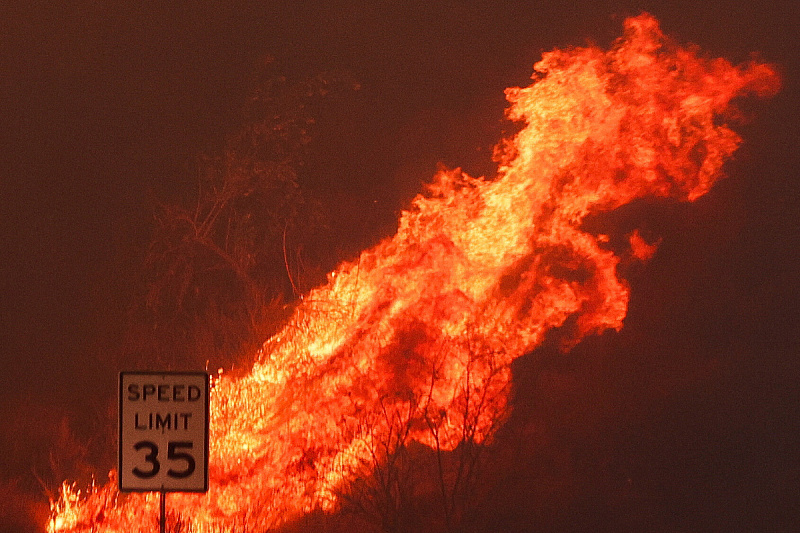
{"x": 163, "y": 433}
{"x": 162, "y": 509}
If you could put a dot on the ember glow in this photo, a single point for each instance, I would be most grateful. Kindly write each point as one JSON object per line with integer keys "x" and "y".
{"x": 413, "y": 341}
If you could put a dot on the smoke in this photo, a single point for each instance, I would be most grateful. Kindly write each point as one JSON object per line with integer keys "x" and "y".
{"x": 413, "y": 343}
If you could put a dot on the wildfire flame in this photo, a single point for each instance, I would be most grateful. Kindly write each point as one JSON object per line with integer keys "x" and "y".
{"x": 414, "y": 340}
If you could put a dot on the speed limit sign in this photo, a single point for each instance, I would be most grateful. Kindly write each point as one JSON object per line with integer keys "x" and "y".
{"x": 163, "y": 431}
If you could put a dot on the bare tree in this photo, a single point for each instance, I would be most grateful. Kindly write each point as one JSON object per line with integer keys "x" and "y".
{"x": 424, "y": 459}
{"x": 480, "y": 410}
{"x": 221, "y": 265}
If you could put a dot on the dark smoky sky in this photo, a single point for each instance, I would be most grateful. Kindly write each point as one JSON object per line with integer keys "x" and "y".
{"x": 101, "y": 102}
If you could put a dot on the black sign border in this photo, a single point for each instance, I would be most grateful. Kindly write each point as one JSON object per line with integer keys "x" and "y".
{"x": 207, "y": 380}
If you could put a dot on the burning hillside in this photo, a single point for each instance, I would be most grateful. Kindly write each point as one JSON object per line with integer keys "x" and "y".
{"x": 413, "y": 341}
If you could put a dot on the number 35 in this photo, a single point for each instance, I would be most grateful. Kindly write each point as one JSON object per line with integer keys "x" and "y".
{"x": 173, "y": 454}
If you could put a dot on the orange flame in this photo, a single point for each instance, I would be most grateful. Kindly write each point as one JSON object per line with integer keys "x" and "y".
{"x": 418, "y": 334}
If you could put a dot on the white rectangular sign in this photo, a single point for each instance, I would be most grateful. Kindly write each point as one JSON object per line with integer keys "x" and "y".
{"x": 163, "y": 431}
